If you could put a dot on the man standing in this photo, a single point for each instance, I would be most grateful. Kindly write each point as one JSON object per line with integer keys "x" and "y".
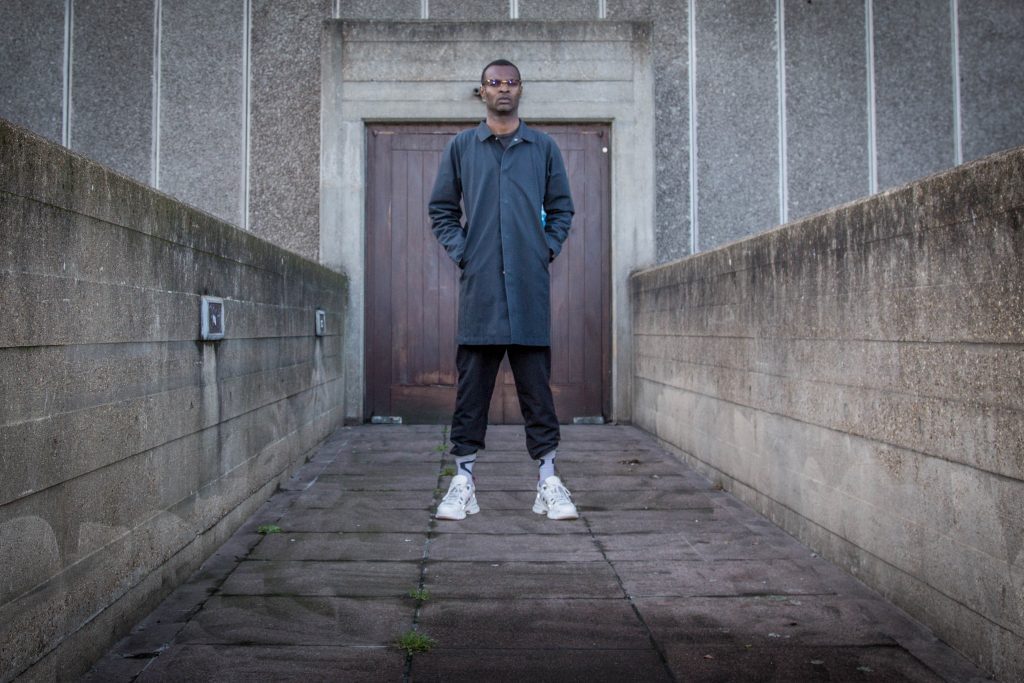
{"x": 518, "y": 211}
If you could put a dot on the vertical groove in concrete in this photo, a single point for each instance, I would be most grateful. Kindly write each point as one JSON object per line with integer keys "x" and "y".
{"x": 69, "y": 26}
{"x": 247, "y": 114}
{"x": 691, "y": 31}
{"x": 154, "y": 173}
{"x": 958, "y": 136}
{"x": 780, "y": 23}
{"x": 869, "y": 40}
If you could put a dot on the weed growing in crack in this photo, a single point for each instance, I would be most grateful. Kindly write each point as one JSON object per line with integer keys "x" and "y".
{"x": 414, "y": 641}
{"x": 268, "y": 529}
{"x": 420, "y": 594}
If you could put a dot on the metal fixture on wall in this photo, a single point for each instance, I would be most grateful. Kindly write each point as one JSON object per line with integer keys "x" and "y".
{"x": 211, "y": 318}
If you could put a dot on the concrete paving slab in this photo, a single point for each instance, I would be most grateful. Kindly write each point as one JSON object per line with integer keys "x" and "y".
{"x": 798, "y": 663}
{"x": 324, "y": 494}
{"x": 603, "y": 624}
{"x": 444, "y": 665}
{"x": 506, "y": 502}
{"x": 422, "y": 479}
{"x": 377, "y": 519}
{"x": 721, "y": 540}
{"x": 341, "y": 547}
{"x": 649, "y": 499}
{"x": 581, "y": 481}
{"x": 664, "y": 577}
{"x": 357, "y": 464}
{"x": 568, "y": 547}
{"x": 352, "y": 579}
{"x": 651, "y": 521}
{"x": 520, "y": 580}
{"x": 508, "y": 522}
{"x": 487, "y": 481}
{"x": 661, "y": 547}
{"x": 244, "y": 664}
{"x": 727, "y": 577}
{"x": 298, "y": 620}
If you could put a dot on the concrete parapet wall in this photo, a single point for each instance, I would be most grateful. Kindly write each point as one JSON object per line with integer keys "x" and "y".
{"x": 130, "y": 449}
{"x": 858, "y": 377}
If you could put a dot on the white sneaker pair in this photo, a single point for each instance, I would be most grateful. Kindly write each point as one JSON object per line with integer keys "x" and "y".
{"x": 553, "y": 499}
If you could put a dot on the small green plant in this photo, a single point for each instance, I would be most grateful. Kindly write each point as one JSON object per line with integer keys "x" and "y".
{"x": 448, "y": 471}
{"x": 268, "y": 529}
{"x": 414, "y": 641}
{"x": 440, "y": 448}
{"x": 420, "y": 594}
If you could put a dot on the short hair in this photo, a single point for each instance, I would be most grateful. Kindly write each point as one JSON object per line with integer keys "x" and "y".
{"x": 500, "y": 62}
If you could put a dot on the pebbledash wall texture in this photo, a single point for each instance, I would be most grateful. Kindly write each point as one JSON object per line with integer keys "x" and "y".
{"x": 764, "y": 111}
{"x": 857, "y": 377}
{"x": 130, "y": 449}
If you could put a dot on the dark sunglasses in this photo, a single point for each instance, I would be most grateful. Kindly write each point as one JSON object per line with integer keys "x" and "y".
{"x": 496, "y": 82}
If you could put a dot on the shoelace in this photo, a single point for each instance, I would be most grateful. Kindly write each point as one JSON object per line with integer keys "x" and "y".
{"x": 558, "y": 495}
{"x": 457, "y": 494}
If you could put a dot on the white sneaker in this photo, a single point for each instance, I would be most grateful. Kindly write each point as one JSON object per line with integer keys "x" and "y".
{"x": 554, "y": 500}
{"x": 459, "y": 501}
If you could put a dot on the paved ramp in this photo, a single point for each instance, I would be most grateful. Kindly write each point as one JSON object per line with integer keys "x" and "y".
{"x": 663, "y": 578}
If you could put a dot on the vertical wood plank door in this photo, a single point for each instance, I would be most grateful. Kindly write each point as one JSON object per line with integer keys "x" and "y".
{"x": 412, "y": 285}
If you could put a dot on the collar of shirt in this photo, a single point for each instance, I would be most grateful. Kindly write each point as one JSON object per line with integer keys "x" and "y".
{"x": 525, "y": 132}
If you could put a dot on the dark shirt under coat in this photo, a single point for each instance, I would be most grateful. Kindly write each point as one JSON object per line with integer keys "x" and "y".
{"x": 505, "y": 247}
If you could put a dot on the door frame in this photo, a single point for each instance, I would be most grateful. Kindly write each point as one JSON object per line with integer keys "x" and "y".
{"x": 504, "y": 401}
{"x": 359, "y": 87}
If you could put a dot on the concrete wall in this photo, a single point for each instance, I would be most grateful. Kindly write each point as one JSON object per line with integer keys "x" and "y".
{"x": 129, "y": 449}
{"x": 764, "y": 112}
{"x": 858, "y": 377}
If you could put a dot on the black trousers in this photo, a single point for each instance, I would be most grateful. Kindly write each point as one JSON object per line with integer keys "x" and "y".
{"x": 478, "y": 369}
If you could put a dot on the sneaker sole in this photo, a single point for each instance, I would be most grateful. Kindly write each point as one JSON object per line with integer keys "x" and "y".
{"x": 544, "y": 511}
{"x": 471, "y": 509}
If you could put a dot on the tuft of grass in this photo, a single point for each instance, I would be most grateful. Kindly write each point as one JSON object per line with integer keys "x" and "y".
{"x": 420, "y": 594}
{"x": 440, "y": 448}
{"x": 268, "y": 529}
{"x": 414, "y": 641}
{"x": 448, "y": 471}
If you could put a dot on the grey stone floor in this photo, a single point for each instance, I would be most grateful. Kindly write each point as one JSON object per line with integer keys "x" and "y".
{"x": 663, "y": 578}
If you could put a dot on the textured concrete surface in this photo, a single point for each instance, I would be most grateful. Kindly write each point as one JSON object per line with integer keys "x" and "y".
{"x": 671, "y": 144}
{"x": 284, "y": 136}
{"x": 112, "y": 84}
{"x": 737, "y": 134}
{"x": 557, "y": 11}
{"x": 914, "y": 103}
{"x": 513, "y": 596}
{"x": 130, "y": 449}
{"x": 826, "y": 105}
{"x": 856, "y": 377}
{"x": 991, "y": 75}
{"x": 378, "y": 9}
{"x": 202, "y": 105}
{"x": 32, "y": 65}
{"x": 826, "y": 61}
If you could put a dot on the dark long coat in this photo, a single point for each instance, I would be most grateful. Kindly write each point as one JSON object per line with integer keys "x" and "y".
{"x": 518, "y": 213}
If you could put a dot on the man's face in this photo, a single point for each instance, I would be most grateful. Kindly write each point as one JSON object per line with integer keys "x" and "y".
{"x": 501, "y": 98}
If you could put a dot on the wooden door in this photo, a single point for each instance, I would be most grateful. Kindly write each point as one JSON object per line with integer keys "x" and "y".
{"x": 412, "y": 285}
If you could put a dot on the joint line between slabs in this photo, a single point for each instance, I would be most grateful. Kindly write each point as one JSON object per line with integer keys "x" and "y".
{"x": 431, "y": 526}
{"x": 618, "y": 579}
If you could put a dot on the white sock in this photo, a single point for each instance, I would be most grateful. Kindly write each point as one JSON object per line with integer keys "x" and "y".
{"x": 547, "y": 465}
{"x": 464, "y": 465}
